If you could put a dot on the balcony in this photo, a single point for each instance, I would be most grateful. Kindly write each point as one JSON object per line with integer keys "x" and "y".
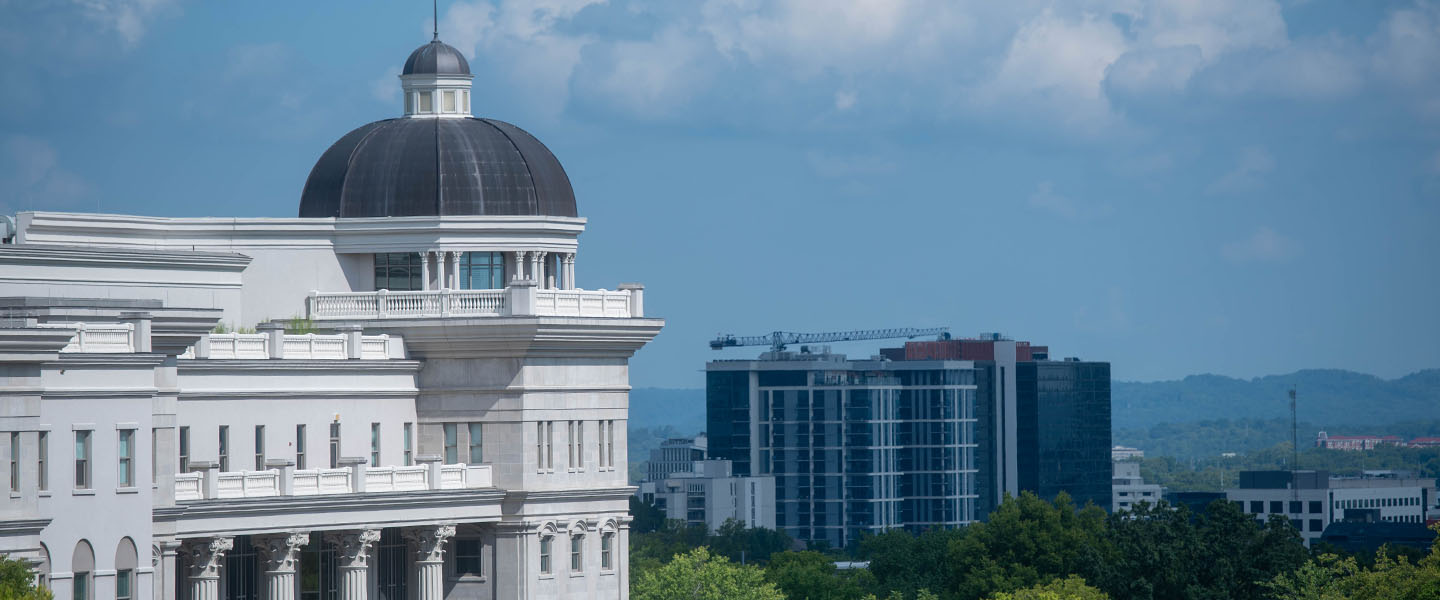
{"x": 206, "y": 483}
{"x": 520, "y": 299}
{"x": 98, "y": 337}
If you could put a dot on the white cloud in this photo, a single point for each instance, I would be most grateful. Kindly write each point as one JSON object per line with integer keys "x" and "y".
{"x": 130, "y": 19}
{"x": 1252, "y": 164}
{"x": 1046, "y": 199}
{"x": 386, "y": 88}
{"x": 1265, "y": 245}
{"x": 31, "y": 177}
{"x": 846, "y": 100}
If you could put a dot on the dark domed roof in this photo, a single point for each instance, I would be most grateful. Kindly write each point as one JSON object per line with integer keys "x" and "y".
{"x": 437, "y": 166}
{"x": 437, "y": 58}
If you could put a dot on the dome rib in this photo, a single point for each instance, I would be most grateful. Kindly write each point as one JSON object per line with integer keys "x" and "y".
{"x": 528, "y": 173}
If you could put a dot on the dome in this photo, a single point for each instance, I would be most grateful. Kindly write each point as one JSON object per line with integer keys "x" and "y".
{"x": 437, "y": 166}
{"x": 436, "y": 58}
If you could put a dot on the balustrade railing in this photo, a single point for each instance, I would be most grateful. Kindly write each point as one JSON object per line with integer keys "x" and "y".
{"x": 98, "y": 337}
{"x": 518, "y": 300}
{"x": 298, "y": 346}
{"x": 314, "y": 482}
{"x": 239, "y": 345}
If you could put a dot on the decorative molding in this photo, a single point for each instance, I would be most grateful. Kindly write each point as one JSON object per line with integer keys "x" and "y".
{"x": 354, "y": 547}
{"x": 282, "y": 551}
{"x": 207, "y": 556}
{"x": 430, "y": 541}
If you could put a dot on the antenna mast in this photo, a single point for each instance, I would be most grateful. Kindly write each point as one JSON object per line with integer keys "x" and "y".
{"x": 1294, "y": 447}
{"x": 435, "y": 17}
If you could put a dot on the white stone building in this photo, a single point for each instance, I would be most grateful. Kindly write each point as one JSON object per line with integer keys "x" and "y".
{"x": 450, "y": 425}
{"x": 709, "y": 494}
{"x": 1312, "y": 500}
{"x": 1128, "y": 488}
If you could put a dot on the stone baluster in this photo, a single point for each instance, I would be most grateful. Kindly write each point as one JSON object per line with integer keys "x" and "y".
{"x": 353, "y": 556}
{"x": 206, "y": 556}
{"x": 282, "y": 555}
{"x": 430, "y": 560}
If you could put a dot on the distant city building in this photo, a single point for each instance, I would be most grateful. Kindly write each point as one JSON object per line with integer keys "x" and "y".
{"x": 675, "y": 455}
{"x": 929, "y": 435}
{"x": 1425, "y": 442}
{"x": 709, "y": 494}
{"x": 1312, "y": 499}
{"x": 1197, "y": 502}
{"x": 1366, "y": 537}
{"x": 1129, "y": 488}
{"x": 1356, "y": 442}
{"x": 1126, "y": 453}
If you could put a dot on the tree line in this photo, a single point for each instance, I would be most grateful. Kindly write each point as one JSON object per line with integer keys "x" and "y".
{"x": 1028, "y": 549}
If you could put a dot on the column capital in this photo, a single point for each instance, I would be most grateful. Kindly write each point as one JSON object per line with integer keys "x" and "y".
{"x": 354, "y": 546}
{"x": 431, "y": 541}
{"x": 206, "y": 556}
{"x": 282, "y": 550}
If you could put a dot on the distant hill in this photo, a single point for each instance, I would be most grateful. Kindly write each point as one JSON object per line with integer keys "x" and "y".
{"x": 1327, "y": 397}
{"x": 682, "y": 409}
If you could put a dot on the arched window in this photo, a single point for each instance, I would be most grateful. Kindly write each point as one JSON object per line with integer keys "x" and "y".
{"x": 577, "y": 548}
{"x": 547, "y": 547}
{"x": 126, "y": 560}
{"x": 44, "y": 567}
{"x": 607, "y": 546}
{"x": 82, "y": 564}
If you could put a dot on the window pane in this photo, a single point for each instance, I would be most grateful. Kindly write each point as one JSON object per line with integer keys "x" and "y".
{"x": 427, "y": 102}
{"x": 476, "y": 444}
{"x": 449, "y": 101}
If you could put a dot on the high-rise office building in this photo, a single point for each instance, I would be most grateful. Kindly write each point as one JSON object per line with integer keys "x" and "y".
{"x": 930, "y": 435}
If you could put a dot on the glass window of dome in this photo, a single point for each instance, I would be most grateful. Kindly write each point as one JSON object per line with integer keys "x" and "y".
{"x": 403, "y": 271}
{"x": 427, "y": 102}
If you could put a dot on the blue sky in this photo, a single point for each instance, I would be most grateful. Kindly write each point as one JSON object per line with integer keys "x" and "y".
{"x": 1241, "y": 187}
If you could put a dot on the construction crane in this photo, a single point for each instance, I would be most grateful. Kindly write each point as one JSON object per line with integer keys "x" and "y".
{"x": 778, "y": 340}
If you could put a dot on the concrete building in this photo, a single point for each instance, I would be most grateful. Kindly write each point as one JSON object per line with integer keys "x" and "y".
{"x": 709, "y": 494}
{"x": 1130, "y": 488}
{"x": 1312, "y": 500}
{"x": 449, "y": 424}
{"x": 676, "y": 455}
{"x": 929, "y": 435}
{"x": 1356, "y": 442}
{"x": 1126, "y": 453}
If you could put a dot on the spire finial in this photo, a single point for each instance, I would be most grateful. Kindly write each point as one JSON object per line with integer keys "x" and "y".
{"x": 435, "y": 17}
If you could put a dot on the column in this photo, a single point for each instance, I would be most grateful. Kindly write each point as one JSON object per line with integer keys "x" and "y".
{"x": 425, "y": 270}
{"x": 535, "y": 268}
{"x": 165, "y": 566}
{"x": 353, "y": 549}
{"x": 454, "y": 269}
{"x": 440, "y": 270}
{"x": 570, "y": 271}
{"x": 430, "y": 560}
{"x": 206, "y": 556}
{"x": 519, "y": 272}
{"x": 546, "y": 281}
{"x": 282, "y": 555}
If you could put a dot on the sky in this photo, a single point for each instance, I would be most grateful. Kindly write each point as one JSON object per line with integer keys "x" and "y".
{"x": 1239, "y": 187}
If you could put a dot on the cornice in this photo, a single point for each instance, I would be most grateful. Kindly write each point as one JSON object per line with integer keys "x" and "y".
{"x": 263, "y": 508}
{"x": 17, "y": 527}
{"x": 298, "y": 394}
{"x": 207, "y": 365}
{"x": 64, "y": 254}
{"x": 511, "y": 337}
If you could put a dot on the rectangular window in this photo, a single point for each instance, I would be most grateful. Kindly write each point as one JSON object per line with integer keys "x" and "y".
{"x": 477, "y": 440}
{"x": 14, "y": 461}
{"x": 576, "y": 543}
{"x": 482, "y": 270}
{"x": 81, "y": 585}
{"x": 374, "y": 444}
{"x": 1315, "y": 507}
{"x": 409, "y": 445}
{"x": 1257, "y": 506}
{"x": 573, "y": 447}
{"x": 82, "y": 461}
{"x": 409, "y": 103}
{"x": 154, "y": 456}
{"x": 124, "y": 582}
{"x": 1277, "y": 506}
{"x": 184, "y": 449}
{"x": 224, "y": 448}
{"x": 540, "y": 445}
{"x": 600, "y": 443}
{"x": 468, "y": 559}
{"x": 610, "y": 445}
{"x": 452, "y": 444}
{"x": 1295, "y": 506}
{"x": 545, "y": 554}
{"x": 449, "y": 101}
{"x": 299, "y": 446}
{"x": 125, "y": 452}
{"x": 427, "y": 102}
{"x": 334, "y": 445}
{"x": 42, "y": 457}
{"x": 607, "y": 542}
{"x": 259, "y": 447}
{"x": 398, "y": 271}
{"x": 550, "y": 445}
{"x": 464, "y": 101}
{"x": 1316, "y": 526}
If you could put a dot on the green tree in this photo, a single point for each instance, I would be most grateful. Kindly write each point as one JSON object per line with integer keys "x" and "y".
{"x": 739, "y": 543}
{"x": 698, "y": 575}
{"x": 17, "y": 581}
{"x": 647, "y": 517}
{"x": 1069, "y": 588}
{"x": 810, "y": 575}
{"x": 1028, "y": 541}
{"x": 1330, "y": 577}
{"x": 907, "y": 563}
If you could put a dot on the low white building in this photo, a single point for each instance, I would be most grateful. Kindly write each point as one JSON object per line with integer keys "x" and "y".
{"x": 450, "y": 423}
{"x": 710, "y": 494}
{"x": 675, "y": 455}
{"x": 1312, "y": 500}
{"x": 1128, "y": 488}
